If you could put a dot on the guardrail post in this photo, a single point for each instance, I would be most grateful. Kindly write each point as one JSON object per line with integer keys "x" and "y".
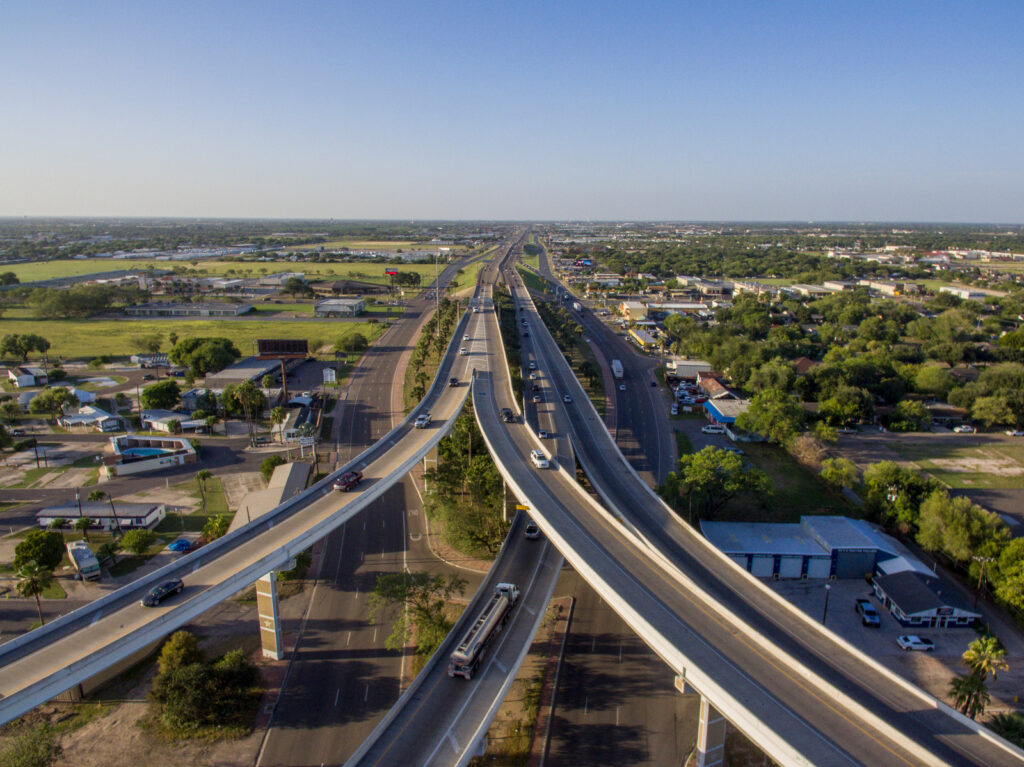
{"x": 270, "y": 620}
{"x": 710, "y": 736}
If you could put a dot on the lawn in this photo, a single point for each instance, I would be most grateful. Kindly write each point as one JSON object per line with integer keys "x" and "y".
{"x": 80, "y": 339}
{"x": 216, "y": 503}
{"x": 388, "y": 245}
{"x": 994, "y": 465}
{"x": 533, "y": 282}
{"x": 371, "y": 272}
{"x": 797, "y": 490}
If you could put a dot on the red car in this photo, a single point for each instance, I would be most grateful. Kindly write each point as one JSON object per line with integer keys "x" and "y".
{"x": 348, "y": 480}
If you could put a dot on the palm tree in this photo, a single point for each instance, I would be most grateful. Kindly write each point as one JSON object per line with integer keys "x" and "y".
{"x": 201, "y": 476}
{"x": 57, "y": 523}
{"x": 99, "y": 495}
{"x": 109, "y": 551}
{"x": 33, "y": 580}
{"x": 82, "y": 525}
{"x": 277, "y": 417}
{"x": 985, "y": 656}
{"x": 969, "y": 694}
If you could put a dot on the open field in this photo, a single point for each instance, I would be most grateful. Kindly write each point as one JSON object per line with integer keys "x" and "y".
{"x": 389, "y": 245}
{"x": 370, "y": 272}
{"x": 83, "y": 339}
{"x": 797, "y": 490}
{"x": 994, "y": 464}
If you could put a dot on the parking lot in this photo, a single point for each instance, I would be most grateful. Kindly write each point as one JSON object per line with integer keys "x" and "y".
{"x": 931, "y": 671}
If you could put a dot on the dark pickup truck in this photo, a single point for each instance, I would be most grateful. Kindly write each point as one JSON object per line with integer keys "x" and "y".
{"x": 868, "y": 615}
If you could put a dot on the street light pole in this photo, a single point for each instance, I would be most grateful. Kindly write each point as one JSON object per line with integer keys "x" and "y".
{"x": 981, "y": 577}
{"x": 824, "y": 614}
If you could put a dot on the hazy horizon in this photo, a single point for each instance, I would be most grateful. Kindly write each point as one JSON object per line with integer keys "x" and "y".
{"x": 735, "y": 112}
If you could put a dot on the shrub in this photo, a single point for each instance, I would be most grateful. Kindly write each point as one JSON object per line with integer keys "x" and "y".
{"x": 269, "y": 464}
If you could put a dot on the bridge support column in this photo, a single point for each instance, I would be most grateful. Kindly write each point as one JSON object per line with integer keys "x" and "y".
{"x": 270, "y": 620}
{"x": 429, "y": 462}
{"x": 710, "y": 736}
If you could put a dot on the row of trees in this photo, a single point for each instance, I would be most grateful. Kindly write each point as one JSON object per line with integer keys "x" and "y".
{"x": 19, "y": 345}
{"x": 433, "y": 340}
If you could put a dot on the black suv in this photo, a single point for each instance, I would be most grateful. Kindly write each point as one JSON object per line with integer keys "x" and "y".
{"x": 507, "y": 415}
{"x": 158, "y": 594}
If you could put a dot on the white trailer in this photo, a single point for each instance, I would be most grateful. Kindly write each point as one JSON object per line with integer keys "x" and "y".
{"x": 576, "y": 306}
{"x": 616, "y": 368}
{"x": 471, "y": 650}
{"x": 85, "y": 562}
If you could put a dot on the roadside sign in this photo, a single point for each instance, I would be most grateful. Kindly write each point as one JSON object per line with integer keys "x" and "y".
{"x": 307, "y": 441}
{"x": 329, "y": 375}
{"x": 391, "y": 272}
{"x": 522, "y": 508}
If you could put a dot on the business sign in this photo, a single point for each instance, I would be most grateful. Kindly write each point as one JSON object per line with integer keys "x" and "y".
{"x": 307, "y": 441}
{"x": 330, "y": 376}
{"x": 391, "y": 272}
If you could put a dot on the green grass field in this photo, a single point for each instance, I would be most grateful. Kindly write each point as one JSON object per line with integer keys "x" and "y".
{"x": 797, "y": 490}
{"x": 83, "y": 339}
{"x": 47, "y": 270}
{"x": 997, "y": 464}
{"x": 388, "y": 245}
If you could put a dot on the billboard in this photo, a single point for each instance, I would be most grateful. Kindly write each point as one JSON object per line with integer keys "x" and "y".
{"x": 282, "y": 347}
{"x": 391, "y": 272}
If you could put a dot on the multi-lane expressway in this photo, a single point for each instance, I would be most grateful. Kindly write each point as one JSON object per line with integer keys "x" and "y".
{"x": 793, "y": 687}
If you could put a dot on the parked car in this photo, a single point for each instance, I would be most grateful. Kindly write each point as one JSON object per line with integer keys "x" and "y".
{"x": 532, "y": 532}
{"x": 713, "y": 428}
{"x": 147, "y": 377}
{"x": 181, "y": 544}
{"x": 348, "y": 480}
{"x": 964, "y": 429}
{"x": 539, "y": 459}
{"x": 732, "y": 449}
{"x": 422, "y": 421}
{"x": 674, "y": 410}
{"x": 914, "y": 642}
{"x": 158, "y": 594}
{"x": 1009, "y": 433}
{"x": 868, "y": 615}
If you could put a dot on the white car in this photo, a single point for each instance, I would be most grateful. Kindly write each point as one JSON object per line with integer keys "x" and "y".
{"x": 465, "y": 337}
{"x": 539, "y": 459}
{"x": 422, "y": 421}
{"x": 1014, "y": 433}
{"x": 674, "y": 410}
{"x": 713, "y": 428}
{"x": 914, "y": 642}
{"x": 532, "y": 366}
{"x": 567, "y": 398}
{"x": 622, "y": 387}
{"x": 543, "y": 434}
{"x": 533, "y": 375}
{"x": 964, "y": 429}
{"x": 463, "y": 351}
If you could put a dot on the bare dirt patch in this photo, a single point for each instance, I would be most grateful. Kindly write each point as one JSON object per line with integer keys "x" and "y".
{"x": 995, "y": 465}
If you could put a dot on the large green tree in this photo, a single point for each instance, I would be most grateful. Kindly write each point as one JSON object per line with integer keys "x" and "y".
{"x": 959, "y": 527}
{"x": 20, "y": 345}
{"x": 204, "y": 355}
{"x": 53, "y": 401}
{"x": 163, "y": 395}
{"x": 714, "y": 476}
{"x": 44, "y": 547}
{"x": 774, "y": 415}
{"x": 425, "y": 598}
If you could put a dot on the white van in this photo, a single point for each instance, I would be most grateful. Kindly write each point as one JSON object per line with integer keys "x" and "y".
{"x": 713, "y": 428}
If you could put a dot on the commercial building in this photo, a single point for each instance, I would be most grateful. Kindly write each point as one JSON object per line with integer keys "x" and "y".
{"x": 159, "y": 309}
{"x": 105, "y": 516}
{"x": 150, "y": 360}
{"x": 968, "y": 294}
{"x": 339, "y": 307}
{"x": 922, "y": 600}
{"x": 681, "y": 367}
{"x": 633, "y": 310}
{"x": 816, "y": 547}
{"x": 27, "y": 375}
{"x": 643, "y": 339}
{"x": 165, "y": 420}
{"x": 278, "y": 280}
{"x": 249, "y": 369}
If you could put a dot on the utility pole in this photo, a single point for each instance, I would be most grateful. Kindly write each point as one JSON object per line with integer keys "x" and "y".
{"x": 981, "y": 577}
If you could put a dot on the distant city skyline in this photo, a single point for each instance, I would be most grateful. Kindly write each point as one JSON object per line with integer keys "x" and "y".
{"x": 658, "y": 111}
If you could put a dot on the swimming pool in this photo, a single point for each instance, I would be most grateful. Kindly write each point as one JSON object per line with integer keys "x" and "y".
{"x": 140, "y": 452}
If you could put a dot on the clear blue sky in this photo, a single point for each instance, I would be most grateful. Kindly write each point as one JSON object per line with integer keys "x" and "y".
{"x": 518, "y": 110}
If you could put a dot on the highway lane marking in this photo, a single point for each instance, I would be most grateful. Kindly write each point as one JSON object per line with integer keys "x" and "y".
{"x": 348, "y": 640}
{"x": 530, "y": 610}
{"x": 337, "y": 694}
{"x": 500, "y": 665}
{"x": 455, "y": 743}
{"x": 617, "y": 716}
{"x": 586, "y": 705}
{"x": 366, "y": 694}
{"x": 375, "y": 636}
{"x": 98, "y": 616}
{"x": 341, "y": 551}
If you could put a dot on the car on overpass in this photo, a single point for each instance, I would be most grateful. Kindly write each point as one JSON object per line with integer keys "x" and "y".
{"x": 159, "y": 593}
{"x": 507, "y": 415}
{"x": 567, "y": 398}
{"x": 539, "y": 459}
{"x": 348, "y": 480}
{"x": 422, "y": 421}
{"x": 532, "y": 532}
